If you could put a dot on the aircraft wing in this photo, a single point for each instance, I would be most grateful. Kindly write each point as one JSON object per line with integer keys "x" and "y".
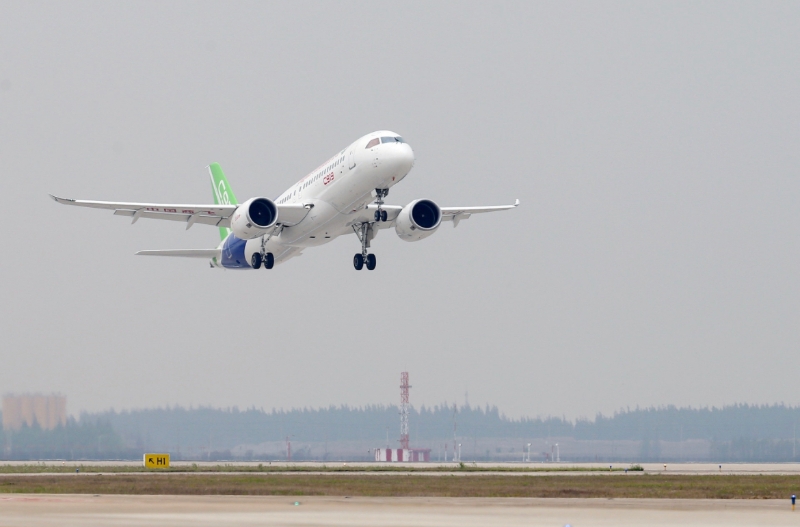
{"x": 454, "y": 214}
{"x": 217, "y": 215}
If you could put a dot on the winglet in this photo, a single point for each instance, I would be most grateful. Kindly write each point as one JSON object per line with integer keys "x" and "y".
{"x": 63, "y": 201}
{"x": 516, "y": 203}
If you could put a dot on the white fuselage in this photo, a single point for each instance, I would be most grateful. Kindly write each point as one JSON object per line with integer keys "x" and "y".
{"x": 335, "y": 193}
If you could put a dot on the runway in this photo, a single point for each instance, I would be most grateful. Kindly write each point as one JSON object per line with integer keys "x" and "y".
{"x": 239, "y": 511}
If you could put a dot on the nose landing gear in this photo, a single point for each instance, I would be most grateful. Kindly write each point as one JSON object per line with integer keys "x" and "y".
{"x": 380, "y": 214}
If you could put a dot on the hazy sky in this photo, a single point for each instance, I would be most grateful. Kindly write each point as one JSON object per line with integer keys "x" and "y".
{"x": 653, "y": 261}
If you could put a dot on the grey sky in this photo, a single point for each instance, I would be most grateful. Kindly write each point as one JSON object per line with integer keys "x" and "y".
{"x": 654, "y": 146}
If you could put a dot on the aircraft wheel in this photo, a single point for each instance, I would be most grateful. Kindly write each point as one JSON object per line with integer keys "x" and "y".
{"x": 371, "y": 261}
{"x": 377, "y": 215}
{"x": 384, "y": 215}
{"x": 358, "y": 261}
{"x": 269, "y": 261}
{"x": 255, "y": 261}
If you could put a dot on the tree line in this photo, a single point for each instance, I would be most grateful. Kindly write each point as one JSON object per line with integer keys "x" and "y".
{"x": 737, "y": 432}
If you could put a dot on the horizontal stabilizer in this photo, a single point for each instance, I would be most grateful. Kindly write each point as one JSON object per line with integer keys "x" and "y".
{"x": 183, "y": 253}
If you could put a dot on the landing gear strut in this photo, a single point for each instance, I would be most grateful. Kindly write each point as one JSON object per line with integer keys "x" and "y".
{"x": 365, "y": 234}
{"x": 268, "y": 259}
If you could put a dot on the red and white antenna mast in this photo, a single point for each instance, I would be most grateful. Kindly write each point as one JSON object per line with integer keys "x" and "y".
{"x": 404, "y": 386}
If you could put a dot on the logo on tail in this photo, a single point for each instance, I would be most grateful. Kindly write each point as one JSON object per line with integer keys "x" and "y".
{"x": 223, "y": 193}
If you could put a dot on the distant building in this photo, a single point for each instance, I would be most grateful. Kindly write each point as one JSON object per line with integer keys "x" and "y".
{"x": 403, "y": 454}
{"x": 48, "y": 411}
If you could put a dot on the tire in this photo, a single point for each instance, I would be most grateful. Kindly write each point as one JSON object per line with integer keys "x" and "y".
{"x": 377, "y": 215}
{"x": 255, "y": 261}
{"x": 358, "y": 261}
{"x": 371, "y": 261}
{"x": 269, "y": 261}
{"x": 384, "y": 215}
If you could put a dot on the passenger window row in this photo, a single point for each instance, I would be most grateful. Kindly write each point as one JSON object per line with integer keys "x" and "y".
{"x": 318, "y": 175}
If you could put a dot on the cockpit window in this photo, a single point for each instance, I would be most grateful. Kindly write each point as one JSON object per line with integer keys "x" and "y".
{"x": 373, "y": 143}
{"x": 396, "y": 139}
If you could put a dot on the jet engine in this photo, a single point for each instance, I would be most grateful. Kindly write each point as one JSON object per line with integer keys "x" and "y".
{"x": 253, "y": 218}
{"x": 419, "y": 219}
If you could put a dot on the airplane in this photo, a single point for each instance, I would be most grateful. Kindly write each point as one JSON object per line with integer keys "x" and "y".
{"x": 344, "y": 195}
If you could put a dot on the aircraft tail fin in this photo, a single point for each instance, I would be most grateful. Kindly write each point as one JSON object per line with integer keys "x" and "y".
{"x": 223, "y": 193}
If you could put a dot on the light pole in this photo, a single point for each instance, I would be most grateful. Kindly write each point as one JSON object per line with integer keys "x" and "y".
{"x": 289, "y": 447}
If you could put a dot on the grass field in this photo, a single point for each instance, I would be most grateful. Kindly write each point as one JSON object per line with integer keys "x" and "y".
{"x": 587, "y": 486}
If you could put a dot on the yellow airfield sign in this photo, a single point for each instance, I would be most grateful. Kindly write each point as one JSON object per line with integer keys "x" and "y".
{"x": 156, "y": 460}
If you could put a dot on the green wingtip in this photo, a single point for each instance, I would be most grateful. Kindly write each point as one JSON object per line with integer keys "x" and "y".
{"x": 223, "y": 193}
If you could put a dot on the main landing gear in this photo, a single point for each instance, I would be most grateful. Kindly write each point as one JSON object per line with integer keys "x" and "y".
{"x": 359, "y": 261}
{"x": 365, "y": 234}
{"x": 267, "y": 259}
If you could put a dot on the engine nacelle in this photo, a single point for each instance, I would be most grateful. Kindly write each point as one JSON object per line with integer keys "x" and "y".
{"x": 419, "y": 219}
{"x": 253, "y": 218}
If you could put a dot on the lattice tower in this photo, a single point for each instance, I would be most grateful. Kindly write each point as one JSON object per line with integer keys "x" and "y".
{"x": 404, "y": 386}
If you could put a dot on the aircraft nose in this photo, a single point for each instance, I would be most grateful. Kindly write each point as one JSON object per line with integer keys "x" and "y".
{"x": 406, "y": 156}
{"x": 397, "y": 158}
{"x": 410, "y": 154}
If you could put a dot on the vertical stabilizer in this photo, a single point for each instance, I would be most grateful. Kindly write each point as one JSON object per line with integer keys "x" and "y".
{"x": 223, "y": 193}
